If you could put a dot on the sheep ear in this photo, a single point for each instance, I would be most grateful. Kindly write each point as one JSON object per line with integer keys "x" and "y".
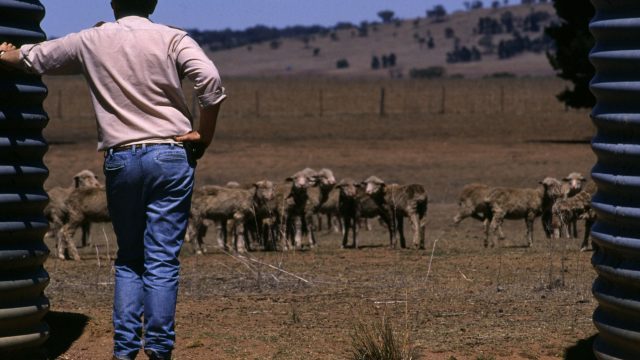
{"x": 77, "y": 181}
{"x": 289, "y": 179}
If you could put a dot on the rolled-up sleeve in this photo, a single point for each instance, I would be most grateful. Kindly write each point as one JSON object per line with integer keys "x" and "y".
{"x": 193, "y": 63}
{"x": 54, "y": 57}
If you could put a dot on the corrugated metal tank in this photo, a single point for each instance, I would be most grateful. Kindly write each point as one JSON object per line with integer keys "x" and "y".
{"x": 22, "y": 198}
{"x": 616, "y": 57}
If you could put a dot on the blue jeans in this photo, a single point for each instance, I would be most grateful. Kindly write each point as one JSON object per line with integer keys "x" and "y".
{"x": 149, "y": 195}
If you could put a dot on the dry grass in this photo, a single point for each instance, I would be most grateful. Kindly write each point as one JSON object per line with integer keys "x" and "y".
{"x": 381, "y": 340}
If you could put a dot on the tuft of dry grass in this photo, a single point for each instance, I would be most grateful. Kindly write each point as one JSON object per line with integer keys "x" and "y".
{"x": 380, "y": 341}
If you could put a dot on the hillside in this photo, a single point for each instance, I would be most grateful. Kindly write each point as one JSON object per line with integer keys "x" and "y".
{"x": 291, "y": 56}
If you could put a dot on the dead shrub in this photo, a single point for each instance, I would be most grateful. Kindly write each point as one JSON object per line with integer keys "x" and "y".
{"x": 379, "y": 341}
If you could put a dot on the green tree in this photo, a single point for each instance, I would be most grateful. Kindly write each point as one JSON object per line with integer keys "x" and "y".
{"x": 571, "y": 57}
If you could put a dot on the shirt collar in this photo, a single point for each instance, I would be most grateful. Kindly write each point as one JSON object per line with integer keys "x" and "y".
{"x": 133, "y": 19}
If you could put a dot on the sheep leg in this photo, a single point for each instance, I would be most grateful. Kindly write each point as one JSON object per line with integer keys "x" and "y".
{"x": 400, "y": 228}
{"x": 310, "y": 231}
{"x": 496, "y": 223}
{"x": 587, "y": 233}
{"x": 529, "y": 224}
{"x": 298, "y": 232}
{"x": 86, "y": 234}
{"x": 546, "y": 223}
{"x": 415, "y": 224}
{"x": 68, "y": 231}
{"x": 190, "y": 235}
{"x": 221, "y": 229}
{"x": 239, "y": 238}
{"x": 319, "y": 216}
{"x": 354, "y": 231}
{"x": 574, "y": 228}
{"x": 60, "y": 244}
{"x": 345, "y": 233}
{"x": 202, "y": 232}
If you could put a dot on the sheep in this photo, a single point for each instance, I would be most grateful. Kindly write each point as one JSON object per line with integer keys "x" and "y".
{"x": 56, "y": 211}
{"x": 297, "y": 210}
{"x": 518, "y": 203}
{"x": 396, "y": 201}
{"x": 471, "y": 204}
{"x": 84, "y": 205}
{"x": 324, "y": 198}
{"x": 571, "y": 185}
{"x": 221, "y": 205}
{"x": 349, "y": 208}
{"x": 569, "y": 210}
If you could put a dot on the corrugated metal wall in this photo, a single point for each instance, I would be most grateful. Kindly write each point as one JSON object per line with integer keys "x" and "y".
{"x": 22, "y": 198}
{"x": 616, "y": 57}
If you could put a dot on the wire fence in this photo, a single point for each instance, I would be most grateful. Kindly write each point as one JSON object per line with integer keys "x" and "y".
{"x": 70, "y": 98}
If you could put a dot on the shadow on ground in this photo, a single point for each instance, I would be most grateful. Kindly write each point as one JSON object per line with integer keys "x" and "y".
{"x": 65, "y": 329}
{"x": 582, "y": 350}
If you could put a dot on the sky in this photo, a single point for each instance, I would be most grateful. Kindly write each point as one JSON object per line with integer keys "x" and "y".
{"x": 66, "y": 16}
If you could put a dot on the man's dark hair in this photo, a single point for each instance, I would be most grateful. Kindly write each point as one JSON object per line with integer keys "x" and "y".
{"x": 143, "y": 7}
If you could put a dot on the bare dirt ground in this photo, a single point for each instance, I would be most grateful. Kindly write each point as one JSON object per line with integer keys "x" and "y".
{"x": 455, "y": 300}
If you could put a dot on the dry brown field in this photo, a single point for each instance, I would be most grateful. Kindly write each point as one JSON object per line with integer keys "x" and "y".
{"x": 455, "y": 300}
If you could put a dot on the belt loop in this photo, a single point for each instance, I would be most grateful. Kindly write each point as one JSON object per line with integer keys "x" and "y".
{"x": 110, "y": 151}
{"x": 143, "y": 147}
{"x": 133, "y": 148}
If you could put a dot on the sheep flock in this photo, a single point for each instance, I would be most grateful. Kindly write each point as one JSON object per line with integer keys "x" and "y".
{"x": 286, "y": 215}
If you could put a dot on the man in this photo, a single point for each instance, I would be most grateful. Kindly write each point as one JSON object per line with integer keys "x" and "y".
{"x": 134, "y": 68}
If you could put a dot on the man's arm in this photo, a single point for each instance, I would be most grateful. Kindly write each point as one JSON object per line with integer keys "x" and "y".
{"x": 207, "y": 128}
{"x": 193, "y": 63}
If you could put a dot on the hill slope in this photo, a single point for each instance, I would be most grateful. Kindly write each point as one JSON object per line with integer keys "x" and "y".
{"x": 293, "y": 57}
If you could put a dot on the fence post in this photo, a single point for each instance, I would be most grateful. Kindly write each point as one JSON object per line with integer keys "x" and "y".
{"x": 257, "y": 94}
{"x": 382, "y": 113}
{"x": 444, "y": 100}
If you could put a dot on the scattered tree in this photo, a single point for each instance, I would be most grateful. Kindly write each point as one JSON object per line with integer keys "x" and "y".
{"x": 438, "y": 13}
{"x": 449, "y": 33}
{"x": 573, "y": 42}
{"x": 386, "y": 16}
{"x": 375, "y": 63}
{"x": 274, "y": 44}
{"x": 342, "y": 64}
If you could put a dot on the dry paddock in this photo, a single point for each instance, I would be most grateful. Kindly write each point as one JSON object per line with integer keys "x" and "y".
{"x": 455, "y": 300}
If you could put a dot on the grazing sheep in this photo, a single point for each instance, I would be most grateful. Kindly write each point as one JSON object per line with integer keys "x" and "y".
{"x": 397, "y": 201}
{"x": 56, "y": 211}
{"x": 84, "y": 205}
{"x": 297, "y": 210}
{"x": 569, "y": 210}
{"x": 222, "y": 205}
{"x": 471, "y": 204}
{"x": 517, "y": 203}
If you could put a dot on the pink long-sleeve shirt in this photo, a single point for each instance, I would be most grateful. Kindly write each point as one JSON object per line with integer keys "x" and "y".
{"x": 134, "y": 69}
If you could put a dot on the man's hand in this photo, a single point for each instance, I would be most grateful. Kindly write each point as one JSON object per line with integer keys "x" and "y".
{"x": 5, "y": 46}
{"x": 193, "y": 144}
{"x": 191, "y": 136}
{"x": 10, "y": 55}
